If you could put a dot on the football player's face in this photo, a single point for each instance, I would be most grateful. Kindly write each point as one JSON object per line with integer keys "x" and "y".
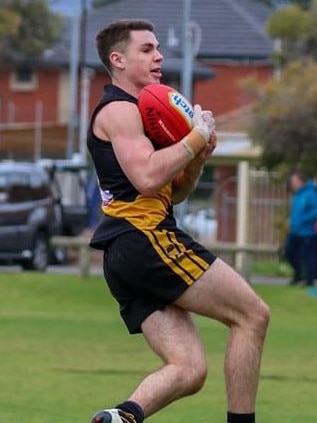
{"x": 142, "y": 59}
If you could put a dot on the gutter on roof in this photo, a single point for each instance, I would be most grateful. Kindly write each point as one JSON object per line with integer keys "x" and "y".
{"x": 175, "y": 66}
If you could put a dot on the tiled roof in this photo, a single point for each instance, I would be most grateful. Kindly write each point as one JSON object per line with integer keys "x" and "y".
{"x": 230, "y": 29}
{"x": 238, "y": 120}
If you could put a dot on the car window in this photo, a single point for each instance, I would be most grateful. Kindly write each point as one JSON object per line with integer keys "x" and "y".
{"x": 3, "y": 181}
{"x": 38, "y": 186}
{"x": 18, "y": 183}
{"x": 3, "y": 188}
{"x": 71, "y": 188}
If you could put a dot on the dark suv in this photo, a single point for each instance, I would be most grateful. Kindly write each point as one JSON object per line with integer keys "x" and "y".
{"x": 28, "y": 215}
{"x": 38, "y": 201}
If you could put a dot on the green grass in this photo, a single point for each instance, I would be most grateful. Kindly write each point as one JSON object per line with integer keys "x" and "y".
{"x": 64, "y": 354}
{"x": 271, "y": 268}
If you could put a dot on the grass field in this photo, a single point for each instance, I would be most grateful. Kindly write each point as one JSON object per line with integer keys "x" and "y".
{"x": 64, "y": 354}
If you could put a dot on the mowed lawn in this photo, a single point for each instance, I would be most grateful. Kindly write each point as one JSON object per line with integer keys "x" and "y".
{"x": 64, "y": 354}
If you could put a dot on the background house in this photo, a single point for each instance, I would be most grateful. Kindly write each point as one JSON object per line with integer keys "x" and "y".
{"x": 37, "y": 97}
{"x": 231, "y": 44}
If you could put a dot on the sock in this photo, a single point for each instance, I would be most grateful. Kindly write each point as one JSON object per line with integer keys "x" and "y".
{"x": 132, "y": 408}
{"x": 240, "y": 418}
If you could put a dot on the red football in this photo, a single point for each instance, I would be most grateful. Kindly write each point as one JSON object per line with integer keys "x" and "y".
{"x": 166, "y": 114}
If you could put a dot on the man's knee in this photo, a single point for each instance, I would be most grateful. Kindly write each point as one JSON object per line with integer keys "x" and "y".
{"x": 191, "y": 372}
{"x": 194, "y": 375}
{"x": 261, "y": 316}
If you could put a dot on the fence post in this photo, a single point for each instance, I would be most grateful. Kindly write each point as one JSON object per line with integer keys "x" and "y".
{"x": 241, "y": 257}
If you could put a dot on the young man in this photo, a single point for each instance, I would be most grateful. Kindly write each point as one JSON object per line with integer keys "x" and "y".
{"x": 156, "y": 272}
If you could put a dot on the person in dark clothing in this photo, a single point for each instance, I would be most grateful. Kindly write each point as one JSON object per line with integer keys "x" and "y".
{"x": 301, "y": 241}
{"x": 158, "y": 274}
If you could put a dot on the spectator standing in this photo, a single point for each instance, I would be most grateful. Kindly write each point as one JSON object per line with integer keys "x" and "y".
{"x": 301, "y": 242}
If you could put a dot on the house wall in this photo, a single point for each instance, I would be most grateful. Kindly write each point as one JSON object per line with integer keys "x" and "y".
{"x": 18, "y": 106}
{"x": 221, "y": 94}
{"x": 224, "y": 93}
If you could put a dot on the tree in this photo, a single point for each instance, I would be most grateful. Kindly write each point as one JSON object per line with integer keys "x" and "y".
{"x": 296, "y": 28}
{"x": 285, "y": 119}
{"x": 285, "y": 115}
{"x": 277, "y": 4}
{"x": 27, "y": 28}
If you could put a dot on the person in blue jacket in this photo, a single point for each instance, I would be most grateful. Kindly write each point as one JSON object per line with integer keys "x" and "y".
{"x": 301, "y": 243}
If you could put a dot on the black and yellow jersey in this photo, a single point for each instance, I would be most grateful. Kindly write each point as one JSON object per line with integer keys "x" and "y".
{"x": 124, "y": 208}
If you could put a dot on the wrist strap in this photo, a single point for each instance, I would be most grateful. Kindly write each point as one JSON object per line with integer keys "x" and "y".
{"x": 193, "y": 143}
{"x": 188, "y": 148}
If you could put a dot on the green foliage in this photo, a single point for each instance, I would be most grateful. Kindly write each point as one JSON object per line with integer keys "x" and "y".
{"x": 295, "y": 26}
{"x": 285, "y": 119}
{"x": 65, "y": 354}
{"x": 9, "y": 23}
{"x": 289, "y": 23}
{"x": 30, "y": 27}
{"x": 285, "y": 116}
{"x": 281, "y": 3}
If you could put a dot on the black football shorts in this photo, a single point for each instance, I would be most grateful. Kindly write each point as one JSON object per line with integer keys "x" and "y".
{"x": 147, "y": 270}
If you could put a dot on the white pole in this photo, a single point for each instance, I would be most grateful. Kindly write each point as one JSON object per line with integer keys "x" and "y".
{"x": 0, "y": 124}
{"x": 38, "y": 130}
{"x": 74, "y": 63}
{"x": 242, "y": 213}
{"x": 86, "y": 76}
{"x": 187, "y": 72}
{"x": 186, "y": 82}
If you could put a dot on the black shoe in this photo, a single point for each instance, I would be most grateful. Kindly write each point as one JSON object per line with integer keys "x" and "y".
{"x": 113, "y": 416}
{"x": 107, "y": 416}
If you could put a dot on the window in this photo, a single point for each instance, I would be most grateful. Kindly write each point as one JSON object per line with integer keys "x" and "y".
{"x": 23, "y": 79}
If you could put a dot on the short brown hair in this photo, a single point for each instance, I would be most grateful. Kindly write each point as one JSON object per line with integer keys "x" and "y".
{"x": 116, "y": 36}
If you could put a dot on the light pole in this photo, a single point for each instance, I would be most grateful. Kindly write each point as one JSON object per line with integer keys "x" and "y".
{"x": 86, "y": 75}
{"x": 190, "y": 44}
{"x": 73, "y": 75}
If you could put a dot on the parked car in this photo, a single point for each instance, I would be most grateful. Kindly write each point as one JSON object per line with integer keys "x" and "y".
{"x": 68, "y": 180}
{"x": 38, "y": 201}
{"x": 28, "y": 215}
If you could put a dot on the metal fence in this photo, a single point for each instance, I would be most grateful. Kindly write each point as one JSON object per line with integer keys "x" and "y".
{"x": 267, "y": 205}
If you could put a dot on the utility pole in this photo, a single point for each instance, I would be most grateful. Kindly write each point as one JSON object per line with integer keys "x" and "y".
{"x": 186, "y": 81}
{"x": 188, "y": 56}
{"x": 86, "y": 75}
{"x": 73, "y": 75}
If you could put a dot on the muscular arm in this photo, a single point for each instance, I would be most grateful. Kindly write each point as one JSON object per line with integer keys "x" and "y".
{"x": 185, "y": 182}
{"x": 147, "y": 169}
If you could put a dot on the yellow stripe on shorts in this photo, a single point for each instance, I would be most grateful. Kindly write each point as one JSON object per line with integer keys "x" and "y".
{"x": 185, "y": 263}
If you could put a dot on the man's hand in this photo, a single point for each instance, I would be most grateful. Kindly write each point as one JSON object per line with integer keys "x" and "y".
{"x": 204, "y": 122}
{"x": 202, "y": 134}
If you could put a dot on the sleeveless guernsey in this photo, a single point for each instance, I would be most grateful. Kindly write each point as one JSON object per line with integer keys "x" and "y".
{"x": 124, "y": 208}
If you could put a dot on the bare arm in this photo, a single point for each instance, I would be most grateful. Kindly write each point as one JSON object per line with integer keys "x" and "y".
{"x": 185, "y": 182}
{"x": 147, "y": 169}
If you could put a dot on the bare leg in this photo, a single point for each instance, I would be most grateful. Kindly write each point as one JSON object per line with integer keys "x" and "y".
{"x": 173, "y": 337}
{"x": 223, "y": 295}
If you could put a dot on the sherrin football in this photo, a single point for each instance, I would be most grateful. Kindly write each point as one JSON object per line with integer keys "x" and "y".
{"x": 166, "y": 114}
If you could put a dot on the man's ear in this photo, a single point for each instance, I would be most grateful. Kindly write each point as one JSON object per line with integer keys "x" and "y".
{"x": 117, "y": 60}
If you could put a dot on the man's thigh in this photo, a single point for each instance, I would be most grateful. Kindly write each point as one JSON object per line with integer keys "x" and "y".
{"x": 220, "y": 293}
{"x": 172, "y": 334}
